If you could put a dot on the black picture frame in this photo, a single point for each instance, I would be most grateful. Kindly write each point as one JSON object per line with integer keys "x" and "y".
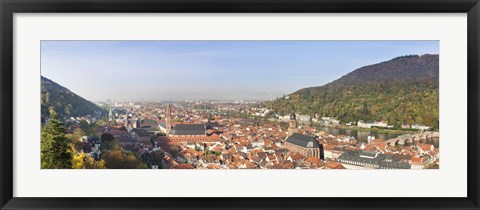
{"x": 9, "y": 7}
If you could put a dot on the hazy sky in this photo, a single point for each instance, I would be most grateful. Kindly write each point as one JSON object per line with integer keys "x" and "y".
{"x": 177, "y": 70}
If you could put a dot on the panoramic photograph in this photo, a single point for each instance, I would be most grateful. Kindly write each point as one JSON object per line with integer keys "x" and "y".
{"x": 238, "y": 104}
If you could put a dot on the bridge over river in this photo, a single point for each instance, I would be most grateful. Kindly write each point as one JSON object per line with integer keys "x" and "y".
{"x": 411, "y": 138}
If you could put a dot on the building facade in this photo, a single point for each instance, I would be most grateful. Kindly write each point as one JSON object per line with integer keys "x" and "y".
{"x": 185, "y": 133}
{"x": 168, "y": 119}
{"x": 308, "y": 146}
{"x": 292, "y": 124}
{"x": 361, "y": 159}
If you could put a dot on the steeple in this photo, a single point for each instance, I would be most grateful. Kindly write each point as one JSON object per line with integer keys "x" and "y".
{"x": 293, "y": 116}
{"x": 168, "y": 118}
{"x": 292, "y": 125}
{"x": 110, "y": 114}
{"x": 209, "y": 117}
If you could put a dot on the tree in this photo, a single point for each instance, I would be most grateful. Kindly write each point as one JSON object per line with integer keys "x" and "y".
{"x": 101, "y": 122}
{"x": 84, "y": 161}
{"x": 174, "y": 150}
{"x": 91, "y": 163}
{"x": 78, "y": 160}
{"x": 55, "y": 149}
{"x": 117, "y": 159}
{"x": 109, "y": 142}
{"x": 106, "y": 137}
{"x": 86, "y": 127}
{"x": 76, "y": 135}
{"x": 366, "y": 112}
{"x": 158, "y": 156}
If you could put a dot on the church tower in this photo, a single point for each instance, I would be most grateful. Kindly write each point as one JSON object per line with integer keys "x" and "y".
{"x": 292, "y": 126}
{"x": 168, "y": 118}
{"x": 209, "y": 117}
{"x": 110, "y": 114}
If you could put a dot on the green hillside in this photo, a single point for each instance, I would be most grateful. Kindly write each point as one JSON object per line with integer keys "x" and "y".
{"x": 401, "y": 90}
{"x": 65, "y": 102}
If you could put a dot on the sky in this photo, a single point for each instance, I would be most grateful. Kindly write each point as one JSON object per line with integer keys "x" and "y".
{"x": 210, "y": 70}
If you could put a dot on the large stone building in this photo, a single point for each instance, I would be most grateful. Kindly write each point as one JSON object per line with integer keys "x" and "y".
{"x": 370, "y": 160}
{"x": 308, "y": 146}
{"x": 185, "y": 132}
{"x": 188, "y": 130}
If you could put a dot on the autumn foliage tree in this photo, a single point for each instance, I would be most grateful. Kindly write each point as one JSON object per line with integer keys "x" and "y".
{"x": 404, "y": 90}
{"x": 84, "y": 161}
{"x": 118, "y": 159}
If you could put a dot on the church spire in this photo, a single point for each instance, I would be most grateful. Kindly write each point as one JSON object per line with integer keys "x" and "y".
{"x": 168, "y": 118}
{"x": 110, "y": 114}
{"x": 292, "y": 115}
{"x": 292, "y": 125}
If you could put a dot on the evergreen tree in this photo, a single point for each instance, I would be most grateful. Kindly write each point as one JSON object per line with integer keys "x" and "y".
{"x": 56, "y": 153}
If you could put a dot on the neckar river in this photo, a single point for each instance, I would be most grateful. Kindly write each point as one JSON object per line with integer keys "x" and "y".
{"x": 362, "y": 136}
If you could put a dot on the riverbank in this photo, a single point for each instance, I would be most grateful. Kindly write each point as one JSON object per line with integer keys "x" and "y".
{"x": 366, "y": 130}
{"x": 376, "y": 130}
{"x": 351, "y": 128}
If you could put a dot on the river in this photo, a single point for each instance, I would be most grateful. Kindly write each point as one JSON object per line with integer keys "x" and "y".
{"x": 362, "y": 136}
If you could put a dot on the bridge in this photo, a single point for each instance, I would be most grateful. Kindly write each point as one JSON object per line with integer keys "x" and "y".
{"x": 410, "y": 138}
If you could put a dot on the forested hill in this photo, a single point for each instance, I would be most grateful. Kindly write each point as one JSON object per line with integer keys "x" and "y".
{"x": 65, "y": 102}
{"x": 403, "y": 90}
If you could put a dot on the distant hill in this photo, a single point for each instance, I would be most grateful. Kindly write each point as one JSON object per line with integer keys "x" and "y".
{"x": 65, "y": 102}
{"x": 404, "y": 90}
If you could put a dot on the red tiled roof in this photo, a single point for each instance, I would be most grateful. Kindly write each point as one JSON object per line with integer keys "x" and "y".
{"x": 417, "y": 160}
{"x": 187, "y": 139}
{"x": 315, "y": 161}
{"x": 184, "y": 166}
{"x": 333, "y": 165}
